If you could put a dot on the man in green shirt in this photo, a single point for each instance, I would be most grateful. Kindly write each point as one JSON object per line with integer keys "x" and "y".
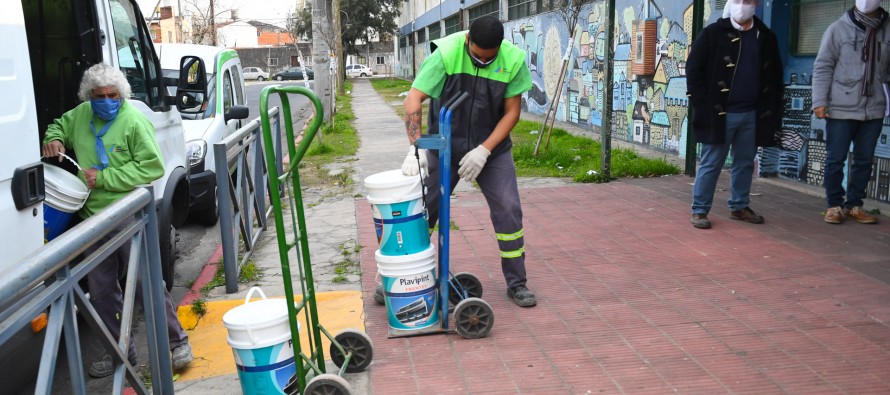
{"x": 494, "y": 73}
{"x": 117, "y": 150}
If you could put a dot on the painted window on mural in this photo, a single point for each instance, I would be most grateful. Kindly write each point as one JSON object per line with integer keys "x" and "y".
{"x": 434, "y": 31}
{"x": 639, "y": 47}
{"x": 521, "y": 8}
{"x": 810, "y": 18}
{"x": 491, "y": 7}
{"x": 452, "y": 25}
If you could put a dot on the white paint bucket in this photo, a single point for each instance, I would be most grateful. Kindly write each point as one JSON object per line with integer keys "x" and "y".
{"x": 65, "y": 195}
{"x": 399, "y": 218}
{"x": 410, "y": 289}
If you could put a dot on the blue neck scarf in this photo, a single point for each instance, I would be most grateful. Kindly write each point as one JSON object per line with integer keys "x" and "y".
{"x": 105, "y": 109}
{"x": 100, "y": 145}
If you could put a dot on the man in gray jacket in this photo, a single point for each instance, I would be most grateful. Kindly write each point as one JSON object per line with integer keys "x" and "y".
{"x": 848, "y": 92}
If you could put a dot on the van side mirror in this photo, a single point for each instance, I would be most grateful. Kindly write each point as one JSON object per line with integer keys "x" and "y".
{"x": 191, "y": 89}
{"x": 237, "y": 112}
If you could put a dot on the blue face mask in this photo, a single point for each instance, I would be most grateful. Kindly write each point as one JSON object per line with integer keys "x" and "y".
{"x": 105, "y": 108}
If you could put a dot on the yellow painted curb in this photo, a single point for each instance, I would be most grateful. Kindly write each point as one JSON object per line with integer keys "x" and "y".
{"x": 337, "y": 310}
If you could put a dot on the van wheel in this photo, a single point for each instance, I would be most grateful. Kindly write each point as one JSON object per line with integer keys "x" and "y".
{"x": 260, "y": 78}
{"x": 167, "y": 242}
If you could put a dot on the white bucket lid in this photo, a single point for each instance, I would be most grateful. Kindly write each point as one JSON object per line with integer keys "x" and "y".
{"x": 429, "y": 252}
{"x": 392, "y": 187}
{"x": 58, "y": 196}
{"x": 64, "y": 182}
{"x": 253, "y": 324}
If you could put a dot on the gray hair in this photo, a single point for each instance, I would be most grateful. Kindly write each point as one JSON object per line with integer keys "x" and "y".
{"x": 102, "y": 75}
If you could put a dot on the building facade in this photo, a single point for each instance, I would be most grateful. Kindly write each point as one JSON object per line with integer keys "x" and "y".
{"x": 652, "y": 41}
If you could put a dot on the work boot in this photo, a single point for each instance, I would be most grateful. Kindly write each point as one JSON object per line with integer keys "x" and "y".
{"x": 860, "y": 215}
{"x": 834, "y": 215}
{"x": 378, "y": 295}
{"x": 747, "y": 215}
{"x": 182, "y": 356}
{"x": 105, "y": 366}
{"x": 522, "y": 296}
{"x": 701, "y": 221}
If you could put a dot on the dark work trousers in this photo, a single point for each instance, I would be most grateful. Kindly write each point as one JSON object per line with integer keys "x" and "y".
{"x": 107, "y": 297}
{"x": 498, "y": 183}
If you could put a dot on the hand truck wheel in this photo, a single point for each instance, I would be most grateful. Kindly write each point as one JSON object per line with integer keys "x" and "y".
{"x": 359, "y": 343}
{"x": 467, "y": 282}
{"x": 378, "y": 295}
{"x": 328, "y": 384}
{"x": 473, "y": 318}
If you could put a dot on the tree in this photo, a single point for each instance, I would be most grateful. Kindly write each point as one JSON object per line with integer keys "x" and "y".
{"x": 204, "y": 15}
{"x": 362, "y": 19}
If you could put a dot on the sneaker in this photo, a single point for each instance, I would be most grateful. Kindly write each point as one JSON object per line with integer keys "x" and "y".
{"x": 182, "y": 356}
{"x": 701, "y": 221}
{"x": 105, "y": 366}
{"x": 860, "y": 215}
{"x": 747, "y": 215}
{"x": 378, "y": 295}
{"x": 834, "y": 215}
{"x": 522, "y": 296}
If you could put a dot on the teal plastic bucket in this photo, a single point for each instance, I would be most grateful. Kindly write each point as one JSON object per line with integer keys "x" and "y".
{"x": 65, "y": 195}
{"x": 399, "y": 218}
{"x": 410, "y": 289}
{"x": 259, "y": 334}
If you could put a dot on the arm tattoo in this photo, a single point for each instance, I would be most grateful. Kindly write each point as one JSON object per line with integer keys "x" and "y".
{"x": 412, "y": 123}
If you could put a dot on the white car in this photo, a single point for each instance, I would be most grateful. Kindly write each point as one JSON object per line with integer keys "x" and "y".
{"x": 358, "y": 70}
{"x": 255, "y": 73}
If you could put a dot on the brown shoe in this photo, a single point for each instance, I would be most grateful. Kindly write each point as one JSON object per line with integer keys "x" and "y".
{"x": 747, "y": 215}
{"x": 860, "y": 215}
{"x": 834, "y": 215}
{"x": 701, "y": 221}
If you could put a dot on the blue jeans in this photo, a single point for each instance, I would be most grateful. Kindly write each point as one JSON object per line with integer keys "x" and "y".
{"x": 740, "y": 133}
{"x": 839, "y": 134}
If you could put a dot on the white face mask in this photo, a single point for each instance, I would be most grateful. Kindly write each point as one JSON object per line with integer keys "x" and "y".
{"x": 742, "y": 13}
{"x": 867, "y": 6}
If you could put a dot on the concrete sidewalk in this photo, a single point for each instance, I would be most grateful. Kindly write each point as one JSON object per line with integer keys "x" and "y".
{"x": 631, "y": 298}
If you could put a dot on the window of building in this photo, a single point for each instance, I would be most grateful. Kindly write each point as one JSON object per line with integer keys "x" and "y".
{"x": 810, "y": 19}
{"x": 403, "y": 42}
{"x": 491, "y": 7}
{"x": 452, "y": 25}
{"x": 381, "y": 60}
{"x": 434, "y": 31}
{"x": 421, "y": 36}
{"x": 273, "y": 62}
{"x": 521, "y": 8}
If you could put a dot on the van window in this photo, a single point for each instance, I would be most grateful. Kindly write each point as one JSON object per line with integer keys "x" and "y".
{"x": 135, "y": 56}
{"x": 227, "y": 91}
{"x": 238, "y": 84}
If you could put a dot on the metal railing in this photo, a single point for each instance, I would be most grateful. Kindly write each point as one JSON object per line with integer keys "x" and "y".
{"x": 47, "y": 280}
{"x": 243, "y": 193}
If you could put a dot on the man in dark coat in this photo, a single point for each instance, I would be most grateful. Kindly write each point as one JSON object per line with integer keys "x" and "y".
{"x": 735, "y": 87}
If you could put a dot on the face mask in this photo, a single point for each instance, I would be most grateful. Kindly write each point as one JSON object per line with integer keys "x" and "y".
{"x": 105, "y": 108}
{"x": 867, "y": 6}
{"x": 476, "y": 61}
{"x": 742, "y": 13}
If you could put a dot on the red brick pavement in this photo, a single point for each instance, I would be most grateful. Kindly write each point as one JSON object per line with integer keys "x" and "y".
{"x": 633, "y": 300}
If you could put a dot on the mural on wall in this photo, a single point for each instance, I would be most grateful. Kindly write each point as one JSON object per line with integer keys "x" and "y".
{"x": 649, "y": 103}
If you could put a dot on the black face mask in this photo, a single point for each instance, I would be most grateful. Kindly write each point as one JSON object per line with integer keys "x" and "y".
{"x": 476, "y": 61}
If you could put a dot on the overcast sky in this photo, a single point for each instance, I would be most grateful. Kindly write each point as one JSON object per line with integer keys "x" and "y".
{"x": 268, "y": 11}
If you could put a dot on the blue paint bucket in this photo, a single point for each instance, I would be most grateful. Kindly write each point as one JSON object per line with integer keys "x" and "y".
{"x": 259, "y": 334}
{"x": 399, "y": 218}
{"x": 410, "y": 289}
{"x": 65, "y": 195}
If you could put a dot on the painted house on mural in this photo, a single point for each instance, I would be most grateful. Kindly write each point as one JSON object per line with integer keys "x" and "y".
{"x": 653, "y": 38}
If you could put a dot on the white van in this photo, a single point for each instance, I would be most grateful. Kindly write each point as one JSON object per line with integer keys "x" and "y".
{"x": 220, "y": 116}
{"x": 56, "y": 41}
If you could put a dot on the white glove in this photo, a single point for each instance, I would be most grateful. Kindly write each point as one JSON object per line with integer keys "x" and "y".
{"x": 409, "y": 166}
{"x": 472, "y": 163}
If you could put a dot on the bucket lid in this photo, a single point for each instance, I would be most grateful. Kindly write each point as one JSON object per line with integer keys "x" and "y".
{"x": 64, "y": 182}
{"x": 429, "y": 252}
{"x": 257, "y": 314}
{"x": 61, "y": 205}
{"x": 389, "y": 179}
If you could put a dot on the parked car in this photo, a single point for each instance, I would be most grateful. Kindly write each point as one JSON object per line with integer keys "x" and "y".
{"x": 255, "y": 73}
{"x": 358, "y": 70}
{"x": 208, "y": 122}
{"x": 293, "y": 73}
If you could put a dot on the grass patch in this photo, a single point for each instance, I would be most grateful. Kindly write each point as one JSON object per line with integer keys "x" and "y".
{"x": 390, "y": 90}
{"x": 451, "y": 226}
{"x": 199, "y": 307}
{"x": 338, "y": 139}
{"x": 578, "y": 157}
{"x": 219, "y": 278}
{"x": 249, "y": 273}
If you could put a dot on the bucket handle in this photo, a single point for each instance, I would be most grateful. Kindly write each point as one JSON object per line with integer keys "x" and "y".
{"x": 250, "y": 293}
{"x": 70, "y": 160}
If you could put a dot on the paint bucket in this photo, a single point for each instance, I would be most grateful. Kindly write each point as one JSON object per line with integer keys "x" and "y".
{"x": 65, "y": 195}
{"x": 259, "y": 334}
{"x": 410, "y": 288}
{"x": 399, "y": 218}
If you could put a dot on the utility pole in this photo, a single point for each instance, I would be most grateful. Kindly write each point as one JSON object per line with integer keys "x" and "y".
{"x": 179, "y": 37}
{"x": 338, "y": 38}
{"x": 212, "y": 24}
{"x": 321, "y": 56}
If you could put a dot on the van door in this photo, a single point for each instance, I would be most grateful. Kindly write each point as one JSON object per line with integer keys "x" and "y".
{"x": 134, "y": 52}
